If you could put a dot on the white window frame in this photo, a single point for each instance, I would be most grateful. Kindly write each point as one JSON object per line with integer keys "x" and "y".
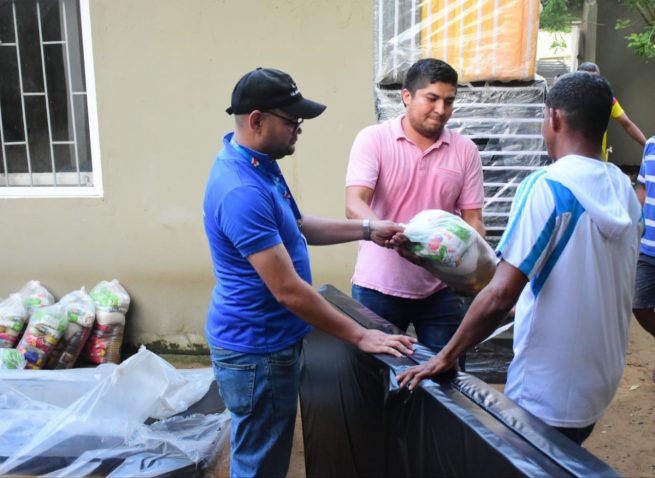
{"x": 22, "y": 188}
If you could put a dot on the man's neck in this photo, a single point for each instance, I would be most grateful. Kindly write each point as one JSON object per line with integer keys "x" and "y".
{"x": 575, "y": 146}
{"x": 244, "y": 140}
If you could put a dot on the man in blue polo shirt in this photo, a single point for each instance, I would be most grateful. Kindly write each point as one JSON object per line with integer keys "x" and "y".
{"x": 263, "y": 303}
{"x": 644, "y": 303}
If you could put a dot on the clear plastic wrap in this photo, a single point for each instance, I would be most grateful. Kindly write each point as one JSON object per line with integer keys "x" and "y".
{"x": 484, "y": 40}
{"x": 84, "y": 422}
{"x": 500, "y": 100}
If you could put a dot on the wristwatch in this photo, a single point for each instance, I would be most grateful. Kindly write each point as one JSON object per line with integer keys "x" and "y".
{"x": 366, "y": 229}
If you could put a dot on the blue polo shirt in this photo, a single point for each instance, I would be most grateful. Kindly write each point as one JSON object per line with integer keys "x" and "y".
{"x": 647, "y": 178}
{"x": 245, "y": 213}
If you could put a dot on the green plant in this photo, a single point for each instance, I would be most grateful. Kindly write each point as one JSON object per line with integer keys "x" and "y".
{"x": 642, "y": 42}
{"x": 556, "y": 15}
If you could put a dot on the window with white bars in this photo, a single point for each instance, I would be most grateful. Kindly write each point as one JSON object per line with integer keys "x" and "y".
{"x": 48, "y": 126}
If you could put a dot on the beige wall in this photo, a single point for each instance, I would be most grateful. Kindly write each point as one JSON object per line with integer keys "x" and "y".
{"x": 164, "y": 73}
{"x": 632, "y": 79}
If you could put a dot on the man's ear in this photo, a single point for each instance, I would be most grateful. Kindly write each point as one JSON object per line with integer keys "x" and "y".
{"x": 255, "y": 120}
{"x": 406, "y": 96}
{"x": 556, "y": 119}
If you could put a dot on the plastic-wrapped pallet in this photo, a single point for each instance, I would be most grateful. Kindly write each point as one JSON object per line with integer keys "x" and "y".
{"x": 503, "y": 118}
{"x": 112, "y": 302}
{"x": 484, "y": 40}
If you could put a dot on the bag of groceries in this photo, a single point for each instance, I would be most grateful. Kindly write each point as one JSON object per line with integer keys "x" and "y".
{"x": 451, "y": 250}
{"x": 12, "y": 320}
{"x": 112, "y": 302}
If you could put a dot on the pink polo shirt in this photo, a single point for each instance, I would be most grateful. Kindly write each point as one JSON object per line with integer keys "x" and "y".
{"x": 406, "y": 181}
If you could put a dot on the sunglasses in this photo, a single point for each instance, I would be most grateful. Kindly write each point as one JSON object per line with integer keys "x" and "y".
{"x": 294, "y": 122}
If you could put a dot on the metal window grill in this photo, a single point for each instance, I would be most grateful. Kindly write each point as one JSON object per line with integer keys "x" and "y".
{"x": 45, "y": 138}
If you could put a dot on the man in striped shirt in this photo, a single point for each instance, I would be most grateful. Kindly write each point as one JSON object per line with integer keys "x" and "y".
{"x": 644, "y": 303}
{"x": 568, "y": 256}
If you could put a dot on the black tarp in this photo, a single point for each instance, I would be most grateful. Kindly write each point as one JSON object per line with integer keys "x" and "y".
{"x": 356, "y": 422}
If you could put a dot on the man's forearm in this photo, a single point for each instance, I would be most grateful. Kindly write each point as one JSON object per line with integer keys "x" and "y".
{"x": 309, "y": 305}
{"x": 485, "y": 314}
{"x": 359, "y": 210}
{"x": 322, "y": 230}
{"x": 479, "y": 226}
{"x": 636, "y": 134}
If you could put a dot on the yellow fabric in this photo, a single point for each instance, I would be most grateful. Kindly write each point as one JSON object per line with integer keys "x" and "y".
{"x": 615, "y": 113}
{"x": 482, "y": 39}
{"x": 616, "y": 109}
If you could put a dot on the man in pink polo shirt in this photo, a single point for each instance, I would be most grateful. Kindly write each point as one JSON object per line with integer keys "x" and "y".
{"x": 397, "y": 169}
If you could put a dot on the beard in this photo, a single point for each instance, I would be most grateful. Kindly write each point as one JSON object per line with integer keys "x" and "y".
{"x": 429, "y": 131}
{"x": 280, "y": 152}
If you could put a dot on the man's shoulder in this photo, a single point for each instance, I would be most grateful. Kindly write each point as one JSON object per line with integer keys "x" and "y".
{"x": 382, "y": 129}
{"x": 231, "y": 174}
{"x": 649, "y": 148}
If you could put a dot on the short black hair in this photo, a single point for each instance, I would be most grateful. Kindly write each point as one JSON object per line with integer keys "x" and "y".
{"x": 590, "y": 67}
{"x": 427, "y": 71}
{"x": 586, "y": 101}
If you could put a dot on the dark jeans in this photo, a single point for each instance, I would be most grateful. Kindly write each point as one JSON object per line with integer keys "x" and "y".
{"x": 435, "y": 318}
{"x": 578, "y": 435}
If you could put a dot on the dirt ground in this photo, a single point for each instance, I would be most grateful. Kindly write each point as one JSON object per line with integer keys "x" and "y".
{"x": 624, "y": 438}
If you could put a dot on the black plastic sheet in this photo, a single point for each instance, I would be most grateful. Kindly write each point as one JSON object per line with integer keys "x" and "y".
{"x": 357, "y": 422}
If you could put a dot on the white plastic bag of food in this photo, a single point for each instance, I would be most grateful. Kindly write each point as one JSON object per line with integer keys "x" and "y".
{"x": 35, "y": 295}
{"x": 80, "y": 307}
{"x": 451, "y": 250}
{"x": 45, "y": 328}
{"x": 81, "y": 313}
{"x": 110, "y": 297}
{"x": 11, "y": 359}
{"x": 104, "y": 343}
{"x": 12, "y": 320}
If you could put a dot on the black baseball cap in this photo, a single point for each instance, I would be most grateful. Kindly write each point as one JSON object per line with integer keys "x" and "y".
{"x": 267, "y": 89}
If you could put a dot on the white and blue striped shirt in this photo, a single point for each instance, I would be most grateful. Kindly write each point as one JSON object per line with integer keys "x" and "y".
{"x": 647, "y": 178}
{"x": 574, "y": 232}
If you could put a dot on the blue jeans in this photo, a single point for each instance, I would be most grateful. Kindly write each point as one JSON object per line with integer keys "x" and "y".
{"x": 261, "y": 392}
{"x": 645, "y": 283}
{"x": 435, "y": 318}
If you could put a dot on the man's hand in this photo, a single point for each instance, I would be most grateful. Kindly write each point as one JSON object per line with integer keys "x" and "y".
{"x": 402, "y": 245}
{"x": 411, "y": 377}
{"x": 377, "y": 342}
{"x": 383, "y": 231}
